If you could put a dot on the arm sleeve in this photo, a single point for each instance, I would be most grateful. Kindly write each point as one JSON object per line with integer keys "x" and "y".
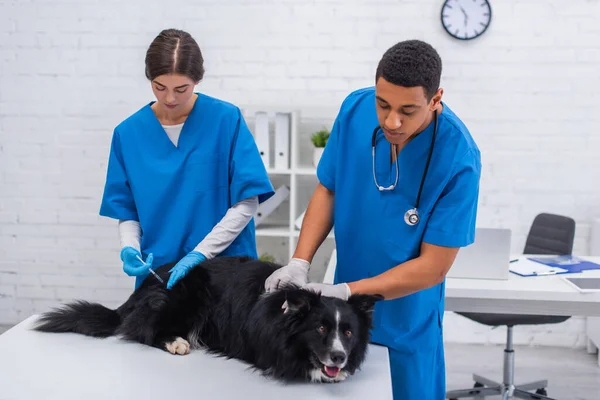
{"x": 452, "y": 222}
{"x": 327, "y": 165}
{"x": 228, "y": 229}
{"x": 247, "y": 174}
{"x": 130, "y": 234}
{"x": 117, "y": 200}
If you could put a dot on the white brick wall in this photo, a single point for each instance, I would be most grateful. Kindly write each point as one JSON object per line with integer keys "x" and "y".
{"x": 71, "y": 70}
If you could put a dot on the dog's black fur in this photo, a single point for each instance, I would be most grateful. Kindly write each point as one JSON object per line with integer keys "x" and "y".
{"x": 221, "y": 306}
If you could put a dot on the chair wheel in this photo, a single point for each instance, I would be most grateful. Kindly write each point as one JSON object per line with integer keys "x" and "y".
{"x": 542, "y": 392}
{"x": 475, "y": 392}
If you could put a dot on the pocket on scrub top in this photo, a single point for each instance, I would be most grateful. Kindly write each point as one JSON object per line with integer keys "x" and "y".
{"x": 206, "y": 174}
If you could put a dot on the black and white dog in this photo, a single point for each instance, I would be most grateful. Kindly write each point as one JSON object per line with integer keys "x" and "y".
{"x": 221, "y": 306}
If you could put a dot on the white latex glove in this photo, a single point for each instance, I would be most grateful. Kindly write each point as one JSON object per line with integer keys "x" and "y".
{"x": 295, "y": 273}
{"x": 341, "y": 290}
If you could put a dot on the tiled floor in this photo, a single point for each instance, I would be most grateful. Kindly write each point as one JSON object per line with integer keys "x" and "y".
{"x": 571, "y": 374}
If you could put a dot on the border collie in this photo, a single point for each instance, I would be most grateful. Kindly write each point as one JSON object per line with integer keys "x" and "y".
{"x": 291, "y": 334}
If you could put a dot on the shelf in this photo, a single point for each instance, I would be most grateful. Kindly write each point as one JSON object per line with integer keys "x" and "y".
{"x": 305, "y": 171}
{"x": 272, "y": 232}
{"x": 268, "y": 126}
{"x": 296, "y": 171}
{"x": 296, "y": 233}
{"x": 282, "y": 232}
{"x": 273, "y": 171}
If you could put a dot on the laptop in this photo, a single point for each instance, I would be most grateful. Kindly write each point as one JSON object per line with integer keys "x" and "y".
{"x": 488, "y": 257}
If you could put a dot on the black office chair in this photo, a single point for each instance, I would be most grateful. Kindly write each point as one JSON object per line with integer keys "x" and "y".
{"x": 549, "y": 234}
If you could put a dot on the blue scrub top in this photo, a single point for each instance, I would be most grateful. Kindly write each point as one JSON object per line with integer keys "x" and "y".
{"x": 371, "y": 235}
{"x": 179, "y": 193}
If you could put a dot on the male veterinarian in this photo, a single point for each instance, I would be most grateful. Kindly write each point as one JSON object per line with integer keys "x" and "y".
{"x": 400, "y": 178}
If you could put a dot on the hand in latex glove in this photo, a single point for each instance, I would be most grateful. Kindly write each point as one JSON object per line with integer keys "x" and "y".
{"x": 132, "y": 262}
{"x": 185, "y": 265}
{"x": 295, "y": 273}
{"x": 341, "y": 290}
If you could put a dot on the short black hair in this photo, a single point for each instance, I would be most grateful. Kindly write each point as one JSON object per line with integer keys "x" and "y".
{"x": 411, "y": 63}
{"x": 174, "y": 51}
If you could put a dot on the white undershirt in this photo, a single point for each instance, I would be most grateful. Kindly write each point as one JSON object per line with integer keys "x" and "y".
{"x": 219, "y": 238}
{"x": 173, "y": 132}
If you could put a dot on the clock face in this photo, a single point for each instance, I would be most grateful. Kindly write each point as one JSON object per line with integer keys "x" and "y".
{"x": 466, "y": 19}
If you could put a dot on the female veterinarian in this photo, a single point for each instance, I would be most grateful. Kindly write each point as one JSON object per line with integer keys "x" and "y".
{"x": 400, "y": 178}
{"x": 184, "y": 174}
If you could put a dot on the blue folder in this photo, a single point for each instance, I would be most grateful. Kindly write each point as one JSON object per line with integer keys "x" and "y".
{"x": 572, "y": 264}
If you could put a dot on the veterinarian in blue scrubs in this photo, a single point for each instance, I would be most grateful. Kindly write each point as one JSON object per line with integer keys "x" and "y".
{"x": 387, "y": 142}
{"x": 184, "y": 174}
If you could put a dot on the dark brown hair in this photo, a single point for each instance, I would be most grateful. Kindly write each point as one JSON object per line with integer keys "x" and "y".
{"x": 174, "y": 51}
{"x": 411, "y": 63}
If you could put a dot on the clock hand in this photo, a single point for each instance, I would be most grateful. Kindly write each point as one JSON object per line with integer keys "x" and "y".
{"x": 465, "y": 14}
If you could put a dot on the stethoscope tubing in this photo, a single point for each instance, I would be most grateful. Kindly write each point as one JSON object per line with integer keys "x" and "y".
{"x": 412, "y": 216}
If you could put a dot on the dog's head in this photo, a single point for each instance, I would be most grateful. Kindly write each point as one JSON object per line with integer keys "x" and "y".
{"x": 333, "y": 333}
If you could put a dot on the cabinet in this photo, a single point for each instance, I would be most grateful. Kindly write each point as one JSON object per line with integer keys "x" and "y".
{"x": 297, "y": 174}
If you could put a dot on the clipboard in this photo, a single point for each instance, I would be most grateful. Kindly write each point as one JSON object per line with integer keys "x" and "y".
{"x": 526, "y": 267}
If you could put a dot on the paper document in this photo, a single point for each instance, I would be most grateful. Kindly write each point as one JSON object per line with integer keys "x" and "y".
{"x": 525, "y": 267}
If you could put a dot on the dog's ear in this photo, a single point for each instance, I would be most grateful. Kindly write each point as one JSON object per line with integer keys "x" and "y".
{"x": 364, "y": 303}
{"x": 299, "y": 300}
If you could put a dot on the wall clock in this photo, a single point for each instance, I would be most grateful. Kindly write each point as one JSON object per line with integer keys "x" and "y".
{"x": 466, "y": 19}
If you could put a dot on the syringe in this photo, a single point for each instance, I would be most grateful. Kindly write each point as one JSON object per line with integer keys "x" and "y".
{"x": 150, "y": 269}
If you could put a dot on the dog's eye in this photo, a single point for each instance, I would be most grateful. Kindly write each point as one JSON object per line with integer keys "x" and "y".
{"x": 321, "y": 329}
{"x": 348, "y": 333}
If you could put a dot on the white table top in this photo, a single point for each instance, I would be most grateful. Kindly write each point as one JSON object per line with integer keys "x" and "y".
{"x": 541, "y": 295}
{"x": 36, "y": 365}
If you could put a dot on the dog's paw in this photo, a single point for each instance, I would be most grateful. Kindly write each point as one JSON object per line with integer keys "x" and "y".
{"x": 341, "y": 376}
{"x": 178, "y": 346}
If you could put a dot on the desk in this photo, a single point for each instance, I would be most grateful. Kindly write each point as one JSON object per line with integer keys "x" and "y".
{"x": 540, "y": 295}
{"x": 36, "y": 365}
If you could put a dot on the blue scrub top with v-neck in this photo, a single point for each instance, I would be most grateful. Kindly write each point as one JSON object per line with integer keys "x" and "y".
{"x": 372, "y": 236}
{"x": 179, "y": 193}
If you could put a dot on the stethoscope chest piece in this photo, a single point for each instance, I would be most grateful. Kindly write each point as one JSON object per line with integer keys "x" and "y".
{"x": 411, "y": 217}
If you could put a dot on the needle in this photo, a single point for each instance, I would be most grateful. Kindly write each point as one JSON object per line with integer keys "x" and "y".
{"x": 150, "y": 269}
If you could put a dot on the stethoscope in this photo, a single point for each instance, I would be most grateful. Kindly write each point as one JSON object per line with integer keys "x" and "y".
{"x": 411, "y": 217}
